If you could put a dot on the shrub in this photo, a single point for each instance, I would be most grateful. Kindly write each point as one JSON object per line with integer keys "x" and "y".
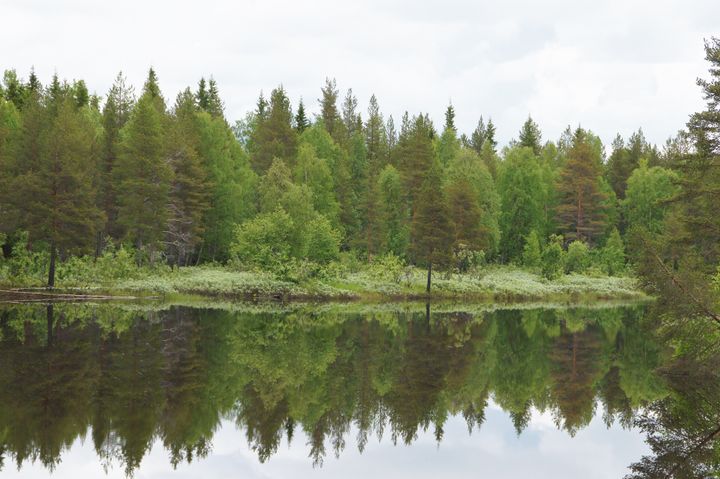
{"x": 264, "y": 241}
{"x": 467, "y": 259}
{"x": 577, "y": 259}
{"x": 388, "y": 267}
{"x": 532, "y": 256}
{"x": 552, "y": 259}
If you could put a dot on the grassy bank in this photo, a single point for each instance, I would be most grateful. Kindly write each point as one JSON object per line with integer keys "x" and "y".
{"x": 494, "y": 284}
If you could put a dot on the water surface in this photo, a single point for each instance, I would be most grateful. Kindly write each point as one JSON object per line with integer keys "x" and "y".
{"x": 89, "y": 390}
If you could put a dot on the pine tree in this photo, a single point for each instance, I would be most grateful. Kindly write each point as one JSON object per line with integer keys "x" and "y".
{"x": 189, "y": 193}
{"x": 415, "y": 155}
{"x": 116, "y": 112}
{"x": 301, "y": 121}
{"x": 232, "y": 186}
{"x": 699, "y": 195}
{"x": 215, "y": 105}
{"x": 580, "y": 211}
{"x": 448, "y": 145}
{"x": 466, "y": 215}
{"x": 329, "y": 111}
{"x": 432, "y": 229}
{"x": 478, "y": 137}
{"x": 273, "y": 135}
{"x": 530, "y": 136}
{"x": 202, "y": 97}
{"x": 142, "y": 173}
{"x": 56, "y": 196}
{"x": 350, "y": 117}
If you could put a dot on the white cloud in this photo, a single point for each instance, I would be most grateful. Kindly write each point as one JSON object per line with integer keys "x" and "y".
{"x": 612, "y": 66}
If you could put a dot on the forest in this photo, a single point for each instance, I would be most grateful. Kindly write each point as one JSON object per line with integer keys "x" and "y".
{"x": 133, "y": 180}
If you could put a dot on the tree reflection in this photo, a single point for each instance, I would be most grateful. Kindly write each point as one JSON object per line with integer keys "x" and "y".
{"x": 133, "y": 378}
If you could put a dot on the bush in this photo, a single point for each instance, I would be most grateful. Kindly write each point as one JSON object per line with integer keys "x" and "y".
{"x": 532, "y": 256}
{"x": 387, "y": 267}
{"x": 264, "y": 242}
{"x": 467, "y": 259}
{"x": 552, "y": 259}
{"x": 577, "y": 259}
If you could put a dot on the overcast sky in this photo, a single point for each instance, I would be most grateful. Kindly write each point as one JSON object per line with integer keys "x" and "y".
{"x": 610, "y": 65}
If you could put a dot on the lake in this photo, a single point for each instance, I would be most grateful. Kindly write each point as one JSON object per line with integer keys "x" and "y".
{"x": 326, "y": 390}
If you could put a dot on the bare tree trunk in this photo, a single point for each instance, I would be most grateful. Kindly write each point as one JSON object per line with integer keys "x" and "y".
{"x": 429, "y": 278}
{"x": 51, "y": 270}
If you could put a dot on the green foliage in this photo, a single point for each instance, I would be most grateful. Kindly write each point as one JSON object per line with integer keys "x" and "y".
{"x": 613, "y": 254}
{"x": 532, "y": 253}
{"x": 520, "y": 185}
{"x": 647, "y": 195}
{"x": 553, "y": 258}
{"x": 577, "y": 259}
{"x": 393, "y": 221}
{"x": 264, "y": 241}
{"x": 323, "y": 241}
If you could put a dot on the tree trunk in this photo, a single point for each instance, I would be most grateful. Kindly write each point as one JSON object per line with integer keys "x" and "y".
{"x": 51, "y": 272}
{"x": 429, "y": 279}
{"x": 50, "y": 319}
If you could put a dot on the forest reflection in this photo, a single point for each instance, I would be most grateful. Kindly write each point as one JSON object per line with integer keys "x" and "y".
{"x": 127, "y": 378}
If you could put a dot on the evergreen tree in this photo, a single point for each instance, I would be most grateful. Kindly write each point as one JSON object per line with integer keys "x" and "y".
{"x": 202, "y": 97}
{"x": 142, "y": 173}
{"x": 301, "y": 121}
{"x": 699, "y": 171}
{"x": 215, "y": 105}
{"x": 415, "y": 155}
{"x": 232, "y": 185}
{"x": 350, "y": 117}
{"x": 580, "y": 211}
{"x": 530, "y": 136}
{"x": 432, "y": 229}
{"x": 56, "y": 196}
{"x": 189, "y": 193}
{"x": 116, "y": 112}
{"x": 478, "y": 137}
{"x": 393, "y": 224}
{"x": 273, "y": 136}
{"x": 521, "y": 193}
{"x": 469, "y": 173}
{"x": 466, "y": 215}
{"x": 329, "y": 111}
{"x": 448, "y": 145}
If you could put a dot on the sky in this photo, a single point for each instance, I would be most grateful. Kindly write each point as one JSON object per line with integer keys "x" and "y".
{"x": 541, "y": 451}
{"x": 611, "y": 66}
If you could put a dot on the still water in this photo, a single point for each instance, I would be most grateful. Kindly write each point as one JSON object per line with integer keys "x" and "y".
{"x": 324, "y": 391}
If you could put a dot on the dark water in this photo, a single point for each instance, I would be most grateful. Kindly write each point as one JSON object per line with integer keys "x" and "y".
{"x": 322, "y": 392}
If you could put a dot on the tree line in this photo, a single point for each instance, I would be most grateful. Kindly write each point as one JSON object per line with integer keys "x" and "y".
{"x": 179, "y": 183}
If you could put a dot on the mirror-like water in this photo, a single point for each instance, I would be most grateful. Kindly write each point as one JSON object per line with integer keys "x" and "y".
{"x": 324, "y": 391}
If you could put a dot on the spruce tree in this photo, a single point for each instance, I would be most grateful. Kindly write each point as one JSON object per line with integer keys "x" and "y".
{"x": 116, "y": 112}
{"x": 273, "y": 135}
{"x": 530, "y": 136}
{"x": 56, "y": 196}
{"x": 329, "y": 111}
{"x": 142, "y": 173}
{"x": 189, "y": 193}
{"x": 301, "y": 121}
{"x": 432, "y": 229}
